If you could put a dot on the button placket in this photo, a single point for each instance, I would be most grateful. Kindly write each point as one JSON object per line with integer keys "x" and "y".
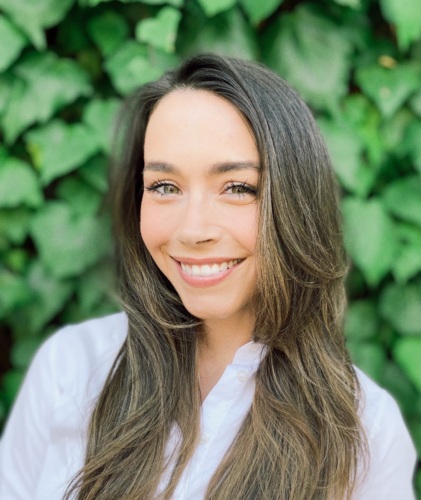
{"x": 222, "y": 414}
{"x": 243, "y": 375}
{"x": 204, "y": 438}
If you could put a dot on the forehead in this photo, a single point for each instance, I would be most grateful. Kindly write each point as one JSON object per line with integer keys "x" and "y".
{"x": 198, "y": 120}
{"x": 192, "y": 105}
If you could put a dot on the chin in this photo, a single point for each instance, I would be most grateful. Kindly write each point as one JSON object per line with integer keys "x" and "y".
{"x": 206, "y": 314}
{"x": 215, "y": 312}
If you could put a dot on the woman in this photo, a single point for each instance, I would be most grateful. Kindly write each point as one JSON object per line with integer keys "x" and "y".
{"x": 227, "y": 376}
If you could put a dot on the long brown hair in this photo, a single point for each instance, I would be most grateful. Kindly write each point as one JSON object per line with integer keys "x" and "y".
{"x": 302, "y": 438}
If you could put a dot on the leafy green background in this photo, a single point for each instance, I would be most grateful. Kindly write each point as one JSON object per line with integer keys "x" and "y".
{"x": 65, "y": 66}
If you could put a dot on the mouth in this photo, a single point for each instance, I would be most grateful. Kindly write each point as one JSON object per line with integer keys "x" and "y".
{"x": 208, "y": 269}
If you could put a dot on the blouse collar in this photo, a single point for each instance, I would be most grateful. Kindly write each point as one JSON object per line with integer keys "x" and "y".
{"x": 249, "y": 355}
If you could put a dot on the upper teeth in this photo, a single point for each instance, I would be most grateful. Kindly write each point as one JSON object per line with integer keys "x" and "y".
{"x": 208, "y": 269}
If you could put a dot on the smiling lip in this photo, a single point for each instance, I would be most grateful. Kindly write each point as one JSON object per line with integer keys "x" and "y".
{"x": 206, "y": 272}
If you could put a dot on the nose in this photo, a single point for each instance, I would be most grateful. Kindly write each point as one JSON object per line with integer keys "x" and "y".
{"x": 198, "y": 223}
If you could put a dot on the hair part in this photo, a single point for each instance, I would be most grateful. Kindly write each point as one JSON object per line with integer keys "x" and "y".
{"x": 302, "y": 438}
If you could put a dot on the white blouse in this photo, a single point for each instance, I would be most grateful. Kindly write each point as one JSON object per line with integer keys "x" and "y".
{"x": 43, "y": 443}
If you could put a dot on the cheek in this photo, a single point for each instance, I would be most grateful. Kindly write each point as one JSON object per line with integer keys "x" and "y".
{"x": 246, "y": 227}
{"x": 156, "y": 225}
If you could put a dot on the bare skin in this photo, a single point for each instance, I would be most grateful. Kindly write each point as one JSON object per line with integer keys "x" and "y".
{"x": 217, "y": 347}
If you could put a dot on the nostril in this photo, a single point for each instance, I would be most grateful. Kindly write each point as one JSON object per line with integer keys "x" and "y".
{"x": 189, "y": 240}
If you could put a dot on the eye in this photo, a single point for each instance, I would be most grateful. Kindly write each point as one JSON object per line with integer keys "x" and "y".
{"x": 163, "y": 188}
{"x": 240, "y": 189}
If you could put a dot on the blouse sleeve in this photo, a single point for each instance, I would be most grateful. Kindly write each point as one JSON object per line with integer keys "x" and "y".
{"x": 24, "y": 443}
{"x": 392, "y": 455}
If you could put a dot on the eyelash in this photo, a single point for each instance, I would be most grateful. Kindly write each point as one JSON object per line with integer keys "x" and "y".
{"x": 158, "y": 184}
{"x": 247, "y": 189}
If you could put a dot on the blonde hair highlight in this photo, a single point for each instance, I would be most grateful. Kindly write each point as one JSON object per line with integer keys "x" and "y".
{"x": 302, "y": 438}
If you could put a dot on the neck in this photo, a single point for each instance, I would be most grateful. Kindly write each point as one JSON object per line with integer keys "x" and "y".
{"x": 221, "y": 338}
{"x": 218, "y": 343}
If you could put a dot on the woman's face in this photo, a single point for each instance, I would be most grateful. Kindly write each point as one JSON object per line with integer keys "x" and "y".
{"x": 199, "y": 207}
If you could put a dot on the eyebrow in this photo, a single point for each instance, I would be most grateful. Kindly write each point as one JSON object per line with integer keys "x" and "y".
{"x": 215, "y": 169}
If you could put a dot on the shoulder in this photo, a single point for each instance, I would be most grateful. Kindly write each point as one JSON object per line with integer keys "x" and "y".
{"x": 93, "y": 337}
{"x": 391, "y": 454}
{"x": 44, "y": 435}
{"x": 80, "y": 356}
{"x": 378, "y": 408}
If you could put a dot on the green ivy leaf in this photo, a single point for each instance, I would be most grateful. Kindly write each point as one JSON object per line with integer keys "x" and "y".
{"x": 100, "y": 116}
{"x": 33, "y": 17}
{"x": 393, "y": 131}
{"x": 405, "y": 14}
{"x": 12, "y": 380}
{"x": 401, "y": 306}
{"x": 2, "y": 409}
{"x": 312, "y": 54}
{"x": 14, "y": 226}
{"x": 403, "y": 199}
{"x": 17, "y": 118}
{"x": 30, "y": 102}
{"x": 362, "y": 321}
{"x": 78, "y": 195}
{"x": 49, "y": 296}
{"x": 176, "y": 3}
{"x": 17, "y": 260}
{"x": 354, "y": 4}
{"x": 13, "y": 292}
{"x": 161, "y": 31}
{"x": 415, "y": 103}
{"x": 69, "y": 38}
{"x": 6, "y": 85}
{"x": 129, "y": 67}
{"x": 12, "y": 42}
{"x": 370, "y": 237}
{"x": 76, "y": 312}
{"x": 23, "y": 351}
{"x": 18, "y": 184}
{"x": 410, "y": 234}
{"x": 213, "y": 7}
{"x": 68, "y": 243}
{"x": 228, "y": 34}
{"x": 411, "y": 143}
{"x": 94, "y": 172}
{"x": 398, "y": 384}
{"x": 407, "y": 353}
{"x": 93, "y": 3}
{"x": 363, "y": 117}
{"x": 414, "y": 425}
{"x": 94, "y": 285}
{"x": 408, "y": 262}
{"x": 108, "y": 30}
{"x": 58, "y": 148}
{"x": 257, "y": 11}
{"x": 389, "y": 88}
{"x": 345, "y": 149}
{"x": 368, "y": 356}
